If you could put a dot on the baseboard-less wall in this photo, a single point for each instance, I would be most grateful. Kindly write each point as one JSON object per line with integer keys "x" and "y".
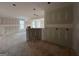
{"x": 8, "y": 25}
{"x": 58, "y": 26}
{"x": 76, "y": 28}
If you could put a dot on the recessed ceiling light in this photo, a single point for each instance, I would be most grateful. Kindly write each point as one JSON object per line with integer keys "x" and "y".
{"x": 14, "y": 5}
{"x": 34, "y": 9}
{"x": 35, "y": 14}
{"x": 49, "y": 2}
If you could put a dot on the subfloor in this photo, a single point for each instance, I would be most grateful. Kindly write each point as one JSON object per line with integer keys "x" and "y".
{"x": 43, "y": 48}
{"x": 17, "y": 45}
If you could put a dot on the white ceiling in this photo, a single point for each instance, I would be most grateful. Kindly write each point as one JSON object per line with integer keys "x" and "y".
{"x": 25, "y": 9}
{"x": 22, "y": 9}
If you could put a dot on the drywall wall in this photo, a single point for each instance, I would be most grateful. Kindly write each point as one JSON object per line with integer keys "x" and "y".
{"x": 58, "y": 25}
{"x": 8, "y": 25}
{"x": 76, "y": 28}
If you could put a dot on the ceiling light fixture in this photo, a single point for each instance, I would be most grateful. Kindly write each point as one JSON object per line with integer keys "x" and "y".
{"x": 14, "y": 5}
{"x": 34, "y": 12}
{"x": 49, "y": 2}
{"x": 34, "y": 9}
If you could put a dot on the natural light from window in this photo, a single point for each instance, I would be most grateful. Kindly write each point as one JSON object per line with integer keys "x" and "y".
{"x": 21, "y": 24}
{"x": 38, "y": 23}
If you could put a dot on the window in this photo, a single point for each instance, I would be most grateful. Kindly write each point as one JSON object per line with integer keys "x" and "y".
{"x": 38, "y": 23}
{"x": 21, "y": 24}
